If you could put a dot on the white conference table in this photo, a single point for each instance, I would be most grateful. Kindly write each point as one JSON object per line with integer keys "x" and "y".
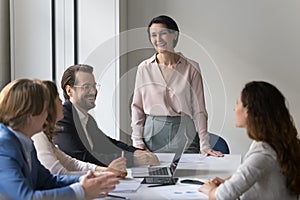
{"x": 191, "y": 166}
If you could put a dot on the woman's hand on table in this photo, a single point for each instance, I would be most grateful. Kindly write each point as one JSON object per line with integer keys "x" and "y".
{"x": 209, "y": 188}
{"x": 211, "y": 152}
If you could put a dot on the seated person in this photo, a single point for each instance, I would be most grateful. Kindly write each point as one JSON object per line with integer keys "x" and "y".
{"x": 23, "y": 111}
{"x": 78, "y": 134}
{"x": 270, "y": 168}
{"x": 55, "y": 160}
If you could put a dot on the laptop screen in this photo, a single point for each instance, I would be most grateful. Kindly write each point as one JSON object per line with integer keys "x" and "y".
{"x": 177, "y": 158}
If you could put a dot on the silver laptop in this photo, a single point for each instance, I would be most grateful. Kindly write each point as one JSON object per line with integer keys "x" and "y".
{"x": 161, "y": 171}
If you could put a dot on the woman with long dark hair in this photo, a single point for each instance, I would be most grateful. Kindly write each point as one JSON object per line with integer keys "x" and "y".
{"x": 271, "y": 167}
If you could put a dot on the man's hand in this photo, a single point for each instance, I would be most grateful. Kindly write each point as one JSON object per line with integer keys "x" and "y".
{"x": 145, "y": 158}
{"x": 118, "y": 167}
{"x": 98, "y": 186}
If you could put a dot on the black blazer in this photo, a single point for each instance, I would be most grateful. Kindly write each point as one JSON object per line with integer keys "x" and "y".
{"x": 71, "y": 139}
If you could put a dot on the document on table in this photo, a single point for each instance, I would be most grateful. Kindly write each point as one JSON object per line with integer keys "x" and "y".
{"x": 128, "y": 185}
{"x": 176, "y": 192}
{"x": 192, "y": 158}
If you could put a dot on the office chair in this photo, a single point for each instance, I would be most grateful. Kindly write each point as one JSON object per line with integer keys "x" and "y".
{"x": 217, "y": 143}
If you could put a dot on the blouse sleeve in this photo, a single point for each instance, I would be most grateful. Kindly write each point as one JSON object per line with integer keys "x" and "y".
{"x": 199, "y": 110}
{"x": 56, "y": 161}
{"x": 254, "y": 168}
{"x": 137, "y": 111}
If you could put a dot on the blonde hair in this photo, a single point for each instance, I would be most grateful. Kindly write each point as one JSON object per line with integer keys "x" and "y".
{"x": 21, "y": 98}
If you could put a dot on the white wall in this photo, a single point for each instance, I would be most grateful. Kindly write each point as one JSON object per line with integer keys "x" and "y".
{"x": 31, "y": 39}
{"x": 97, "y": 30}
{"x": 31, "y": 46}
{"x": 64, "y": 38}
{"x": 31, "y": 35}
{"x": 234, "y": 42}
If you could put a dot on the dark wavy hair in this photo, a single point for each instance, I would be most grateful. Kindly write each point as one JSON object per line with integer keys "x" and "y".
{"x": 49, "y": 126}
{"x": 269, "y": 121}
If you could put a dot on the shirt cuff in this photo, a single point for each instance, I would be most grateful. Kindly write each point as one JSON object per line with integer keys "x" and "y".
{"x": 78, "y": 190}
{"x": 205, "y": 151}
{"x": 137, "y": 141}
{"x": 93, "y": 167}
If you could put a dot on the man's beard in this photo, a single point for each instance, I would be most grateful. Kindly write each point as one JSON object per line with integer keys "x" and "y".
{"x": 86, "y": 104}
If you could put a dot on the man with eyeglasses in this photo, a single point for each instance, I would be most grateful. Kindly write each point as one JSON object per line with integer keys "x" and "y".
{"x": 78, "y": 134}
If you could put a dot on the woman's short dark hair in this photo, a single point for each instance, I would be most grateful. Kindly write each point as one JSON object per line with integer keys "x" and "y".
{"x": 167, "y": 21}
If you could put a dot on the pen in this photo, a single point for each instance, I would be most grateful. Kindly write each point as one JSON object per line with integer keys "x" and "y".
{"x": 116, "y": 196}
{"x": 159, "y": 185}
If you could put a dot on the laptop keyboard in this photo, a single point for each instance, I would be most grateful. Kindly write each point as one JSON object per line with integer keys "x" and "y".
{"x": 160, "y": 180}
{"x": 158, "y": 171}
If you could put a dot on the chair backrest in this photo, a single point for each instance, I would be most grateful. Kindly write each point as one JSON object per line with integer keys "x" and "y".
{"x": 218, "y": 143}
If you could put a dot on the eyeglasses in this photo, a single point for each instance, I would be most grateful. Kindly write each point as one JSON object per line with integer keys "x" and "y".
{"x": 88, "y": 87}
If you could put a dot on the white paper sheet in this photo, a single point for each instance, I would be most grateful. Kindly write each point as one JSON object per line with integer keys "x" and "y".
{"x": 128, "y": 185}
{"x": 179, "y": 192}
{"x": 192, "y": 158}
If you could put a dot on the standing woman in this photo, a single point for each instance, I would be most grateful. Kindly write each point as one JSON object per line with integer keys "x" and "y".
{"x": 271, "y": 167}
{"x": 168, "y": 103}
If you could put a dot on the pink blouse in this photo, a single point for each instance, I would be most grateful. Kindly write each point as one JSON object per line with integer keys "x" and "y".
{"x": 181, "y": 95}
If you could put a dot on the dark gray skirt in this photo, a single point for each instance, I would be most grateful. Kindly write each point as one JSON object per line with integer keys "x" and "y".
{"x": 166, "y": 134}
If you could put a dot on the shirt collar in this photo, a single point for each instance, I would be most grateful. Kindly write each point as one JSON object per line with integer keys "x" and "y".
{"x": 25, "y": 141}
{"x": 152, "y": 59}
{"x": 82, "y": 117}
